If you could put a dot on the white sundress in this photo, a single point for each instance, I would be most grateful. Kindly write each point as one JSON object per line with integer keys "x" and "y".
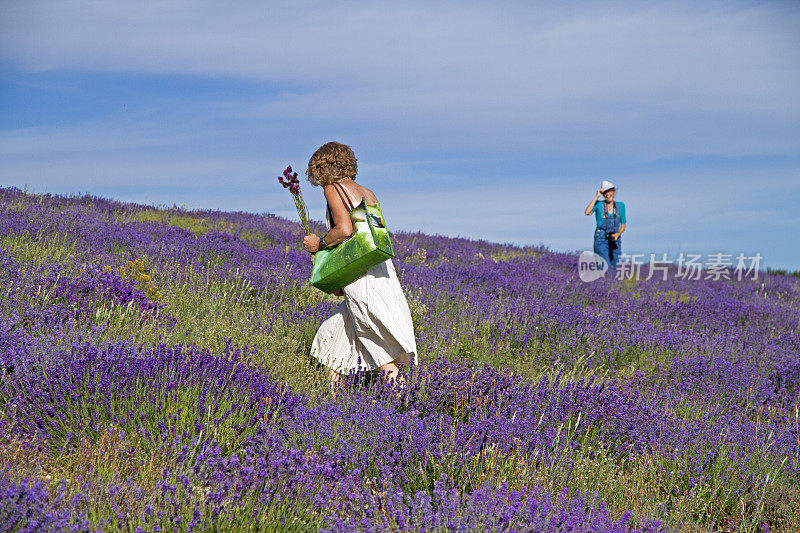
{"x": 371, "y": 327}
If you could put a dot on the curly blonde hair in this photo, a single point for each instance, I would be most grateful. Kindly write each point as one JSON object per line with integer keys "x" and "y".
{"x": 331, "y": 162}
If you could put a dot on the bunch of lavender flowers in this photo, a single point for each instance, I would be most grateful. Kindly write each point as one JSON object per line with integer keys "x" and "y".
{"x": 289, "y": 181}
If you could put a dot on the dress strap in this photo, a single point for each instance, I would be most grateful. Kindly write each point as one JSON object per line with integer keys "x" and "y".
{"x": 343, "y": 195}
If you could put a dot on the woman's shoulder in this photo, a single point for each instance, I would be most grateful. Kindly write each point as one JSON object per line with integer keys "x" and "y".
{"x": 368, "y": 194}
{"x": 329, "y": 190}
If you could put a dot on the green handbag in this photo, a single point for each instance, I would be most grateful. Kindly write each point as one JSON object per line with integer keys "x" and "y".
{"x": 369, "y": 245}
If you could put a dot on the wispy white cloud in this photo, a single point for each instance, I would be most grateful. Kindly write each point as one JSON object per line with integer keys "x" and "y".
{"x": 503, "y": 47}
{"x": 412, "y": 83}
{"x": 699, "y": 210}
{"x": 549, "y": 76}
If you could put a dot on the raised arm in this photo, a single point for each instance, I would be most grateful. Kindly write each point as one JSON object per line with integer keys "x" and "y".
{"x": 590, "y": 207}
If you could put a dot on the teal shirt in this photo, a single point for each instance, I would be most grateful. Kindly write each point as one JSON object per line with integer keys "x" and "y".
{"x": 598, "y": 212}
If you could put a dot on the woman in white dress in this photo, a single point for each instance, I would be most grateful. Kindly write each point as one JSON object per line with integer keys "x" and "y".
{"x": 372, "y": 327}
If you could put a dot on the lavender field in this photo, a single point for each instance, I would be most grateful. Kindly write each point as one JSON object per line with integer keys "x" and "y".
{"x": 156, "y": 377}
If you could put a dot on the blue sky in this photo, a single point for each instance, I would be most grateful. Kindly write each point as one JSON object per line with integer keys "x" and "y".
{"x": 487, "y": 120}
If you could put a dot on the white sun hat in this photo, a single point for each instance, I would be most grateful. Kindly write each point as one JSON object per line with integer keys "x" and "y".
{"x": 606, "y": 185}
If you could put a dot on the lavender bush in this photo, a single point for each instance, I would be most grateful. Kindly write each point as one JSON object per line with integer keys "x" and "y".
{"x": 155, "y": 377}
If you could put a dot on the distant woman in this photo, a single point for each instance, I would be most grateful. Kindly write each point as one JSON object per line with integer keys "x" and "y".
{"x": 372, "y": 328}
{"x": 610, "y": 217}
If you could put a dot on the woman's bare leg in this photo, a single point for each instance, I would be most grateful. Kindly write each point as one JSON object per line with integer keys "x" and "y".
{"x": 391, "y": 373}
{"x": 335, "y": 381}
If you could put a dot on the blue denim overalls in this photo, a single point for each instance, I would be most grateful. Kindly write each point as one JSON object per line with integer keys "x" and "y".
{"x": 604, "y": 245}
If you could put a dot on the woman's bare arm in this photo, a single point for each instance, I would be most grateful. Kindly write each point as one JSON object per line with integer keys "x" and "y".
{"x": 619, "y": 233}
{"x": 342, "y": 225}
{"x": 590, "y": 207}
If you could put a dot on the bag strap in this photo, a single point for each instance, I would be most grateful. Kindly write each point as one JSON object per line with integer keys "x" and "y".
{"x": 343, "y": 195}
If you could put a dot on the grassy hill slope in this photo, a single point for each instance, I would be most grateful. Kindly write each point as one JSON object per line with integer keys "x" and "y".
{"x": 157, "y": 376}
